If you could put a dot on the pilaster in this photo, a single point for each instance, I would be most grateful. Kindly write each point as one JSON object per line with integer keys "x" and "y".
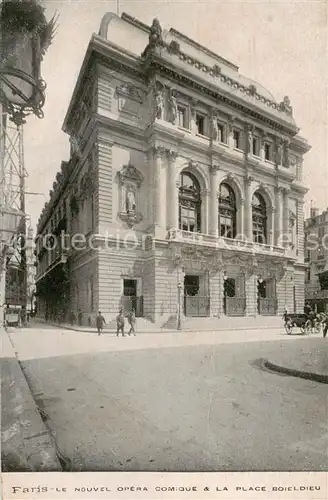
{"x": 104, "y": 185}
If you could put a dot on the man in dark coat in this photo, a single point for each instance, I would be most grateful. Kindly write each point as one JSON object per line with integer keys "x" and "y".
{"x": 100, "y": 322}
{"x": 120, "y": 323}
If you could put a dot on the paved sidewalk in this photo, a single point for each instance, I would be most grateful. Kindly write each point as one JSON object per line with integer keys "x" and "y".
{"x": 154, "y": 328}
{"x": 26, "y": 444}
{"x": 309, "y": 360}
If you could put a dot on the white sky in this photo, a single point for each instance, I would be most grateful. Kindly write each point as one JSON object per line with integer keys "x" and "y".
{"x": 282, "y": 44}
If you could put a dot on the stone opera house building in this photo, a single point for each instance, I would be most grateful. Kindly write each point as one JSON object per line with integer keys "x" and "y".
{"x": 185, "y": 178}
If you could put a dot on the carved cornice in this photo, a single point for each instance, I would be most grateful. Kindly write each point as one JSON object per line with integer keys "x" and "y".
{"x": 245, "y": 106}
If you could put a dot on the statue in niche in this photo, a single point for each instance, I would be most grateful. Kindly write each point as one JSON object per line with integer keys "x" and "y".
{"x": 130, "y": 201}
{"x": 155, "y": 36}
{"x": 173, "y": 108}
{"x": 215, "y": 129}
{"x": 279, "y": 153}
{"x": 159, "y": 105}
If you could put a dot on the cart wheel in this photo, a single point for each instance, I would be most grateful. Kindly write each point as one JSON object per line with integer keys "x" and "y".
{"x": 288, "y": 328}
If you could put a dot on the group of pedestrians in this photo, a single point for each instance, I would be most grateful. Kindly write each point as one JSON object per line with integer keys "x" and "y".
{"x": 120, "y": 323}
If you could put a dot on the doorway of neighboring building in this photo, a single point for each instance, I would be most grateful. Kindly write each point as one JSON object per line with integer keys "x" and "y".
{"x": 196, "y": 296}
{"x": 131, "y": 300}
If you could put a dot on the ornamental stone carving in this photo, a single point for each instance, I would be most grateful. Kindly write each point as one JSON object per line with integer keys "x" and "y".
{"x": 279, "y": 152}
{"x": 159, "y": 105}
{"x": 172, "y": 155}
{"x": 214, "y": 127}
{"x": 155, "y": 36}
{"x": 130, "y": 180}
{"x": 285, "y": 105}
{"x": 173, "y": 108}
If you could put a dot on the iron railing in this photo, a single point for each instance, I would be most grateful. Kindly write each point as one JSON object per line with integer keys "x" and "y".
{"x": 197, "y": 306}
{"x": 234, "y": 306}
{"x": 267, "y": 307}
{"x": 133, "y": 303}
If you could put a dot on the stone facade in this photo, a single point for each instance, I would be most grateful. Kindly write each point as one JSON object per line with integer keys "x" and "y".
{"x": 161, "y": 131}
{"x": 316, "y": 258}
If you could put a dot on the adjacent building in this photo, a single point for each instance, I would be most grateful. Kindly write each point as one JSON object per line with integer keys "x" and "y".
{"x": 316, "y": 256}
{"x": 184, "y": 187}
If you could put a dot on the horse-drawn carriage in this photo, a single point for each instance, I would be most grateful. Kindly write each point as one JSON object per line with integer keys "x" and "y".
{"x": 302, "y": 322}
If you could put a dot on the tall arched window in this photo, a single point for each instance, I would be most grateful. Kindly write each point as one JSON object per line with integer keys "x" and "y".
{"x": 189, "y": 203}
{"x": 259, "y": 218}
{"x": 227, "y": 211}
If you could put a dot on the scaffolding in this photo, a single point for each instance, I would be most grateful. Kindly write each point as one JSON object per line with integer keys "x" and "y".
{"x": 12, "y": 198}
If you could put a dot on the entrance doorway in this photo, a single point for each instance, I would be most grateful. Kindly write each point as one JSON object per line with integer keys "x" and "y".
{"x": 234, "y": 300}
{"x": 266, "y": 297}
{"x": 131, "y": 301}
{"x": 196, "y": 297}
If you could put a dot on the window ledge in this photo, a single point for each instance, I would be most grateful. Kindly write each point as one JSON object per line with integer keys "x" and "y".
{"x": 201, "y": 136}
{"x": 183, "y": 129}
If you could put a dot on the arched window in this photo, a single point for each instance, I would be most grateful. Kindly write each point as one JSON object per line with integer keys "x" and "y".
{"x": 189, "y": 203}
{"x": 227, "y": 211}
{"x": 259, "y": 218}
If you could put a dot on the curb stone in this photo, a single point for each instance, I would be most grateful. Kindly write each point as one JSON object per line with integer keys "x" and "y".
{"x": 27, "y": 445}
{"x": 317, "y": 377}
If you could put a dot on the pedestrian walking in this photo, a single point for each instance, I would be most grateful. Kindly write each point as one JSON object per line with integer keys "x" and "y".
{"x": 100, "y": 322}
{"x": 120, "y": 323}
{"x": 132, "y": 322}
{"x": 325, "y": 326}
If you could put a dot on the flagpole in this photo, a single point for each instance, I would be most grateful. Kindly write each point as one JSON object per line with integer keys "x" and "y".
{"x": 118, "y": 7}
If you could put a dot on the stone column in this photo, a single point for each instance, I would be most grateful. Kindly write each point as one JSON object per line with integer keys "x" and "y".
{"x": 214, "y": 212}
{"x": 271, "y": 232}
{"x": 159, "y": 189}
{"x": 248, "y": 209}
{"x": 205, "y": 227}
{"x": 241, "y": 219}
{"x": 172, "y": 192}
{"x": 285, "y": 218}
{"x": 278, "y": 214}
